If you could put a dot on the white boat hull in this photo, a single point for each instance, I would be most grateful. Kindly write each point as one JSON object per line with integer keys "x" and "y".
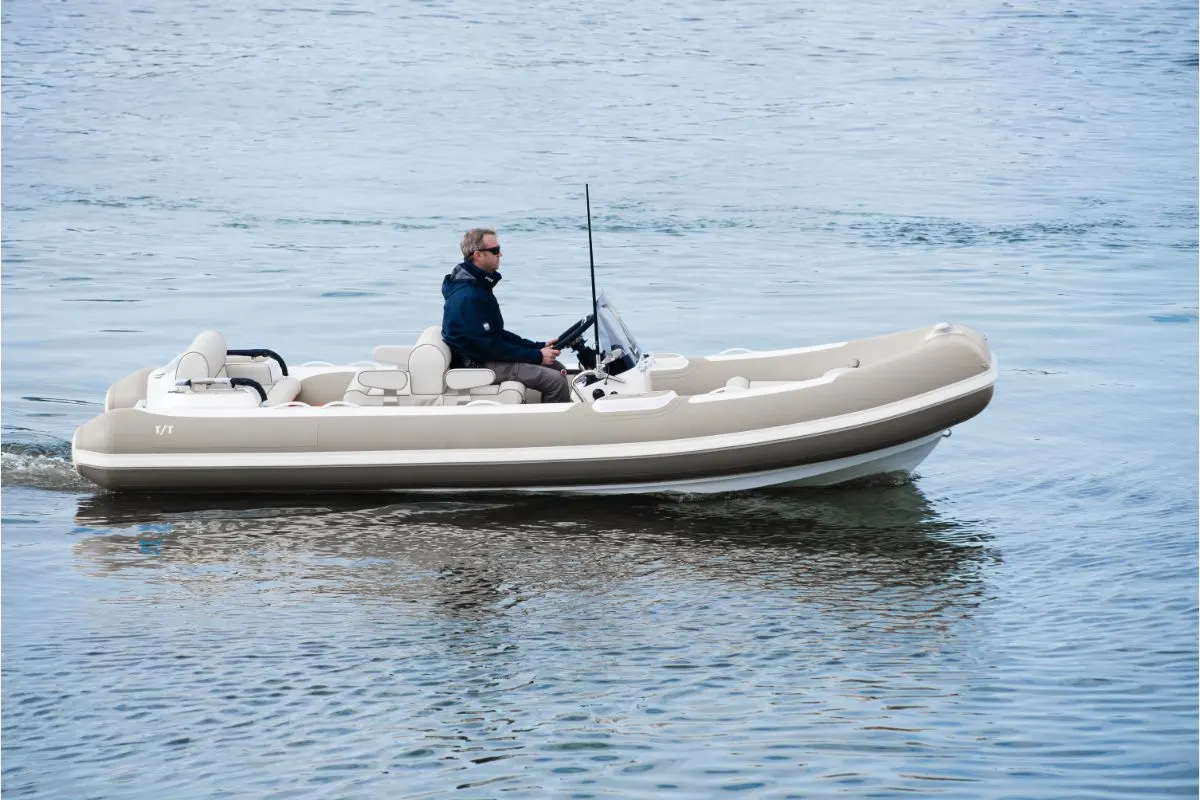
{"x": 802, "y": 417}
{"x": 901, "y": 459}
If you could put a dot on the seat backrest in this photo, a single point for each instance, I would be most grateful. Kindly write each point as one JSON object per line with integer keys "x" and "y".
{"x": 395, "y": 354}
{"x": 427, "y": 364}
{"x": 285, "y": 390}
{"x": 204, "y": 358}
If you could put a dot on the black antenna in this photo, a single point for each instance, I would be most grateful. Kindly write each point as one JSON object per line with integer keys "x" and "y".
{"x": 587, "y": 198}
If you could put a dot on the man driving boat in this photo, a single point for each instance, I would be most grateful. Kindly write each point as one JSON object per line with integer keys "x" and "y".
{"x": 473, "y": 327}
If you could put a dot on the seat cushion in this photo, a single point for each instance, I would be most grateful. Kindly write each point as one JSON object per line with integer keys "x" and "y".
{"x": 509, "y": 393}
{"x": 378, "y": 387}
{"x": 459, "y": 379}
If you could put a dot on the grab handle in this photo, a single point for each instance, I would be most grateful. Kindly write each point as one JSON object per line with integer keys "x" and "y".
{"x": 253, "y": 384}
{"x": 191, "y": 383}
{"x": 260, "y": 352}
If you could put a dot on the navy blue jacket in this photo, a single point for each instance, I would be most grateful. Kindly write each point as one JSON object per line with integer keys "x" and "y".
{"x": 472, "y": 325}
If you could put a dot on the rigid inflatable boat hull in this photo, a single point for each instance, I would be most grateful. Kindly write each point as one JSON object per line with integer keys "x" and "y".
{"x": 809, "y": 416}
{"x": 820, "y": 452}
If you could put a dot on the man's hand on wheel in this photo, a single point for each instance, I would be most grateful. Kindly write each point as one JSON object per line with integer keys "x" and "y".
{"x": 549, "y": 355}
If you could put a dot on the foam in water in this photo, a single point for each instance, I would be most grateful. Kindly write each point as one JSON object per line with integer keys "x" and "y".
{"x": 42, "y": 465}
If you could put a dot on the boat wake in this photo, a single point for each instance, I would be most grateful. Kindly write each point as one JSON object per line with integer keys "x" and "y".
{"x": 43, "y": 464}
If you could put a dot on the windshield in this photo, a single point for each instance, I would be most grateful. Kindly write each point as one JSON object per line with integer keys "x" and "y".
{"x": 612, "y": 330}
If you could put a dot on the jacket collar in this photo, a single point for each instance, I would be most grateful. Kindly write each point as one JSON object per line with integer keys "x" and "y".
{"x": 481, "y": 277}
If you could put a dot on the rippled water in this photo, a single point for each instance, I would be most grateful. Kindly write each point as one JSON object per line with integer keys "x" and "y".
{"x": 1020, "y": 620}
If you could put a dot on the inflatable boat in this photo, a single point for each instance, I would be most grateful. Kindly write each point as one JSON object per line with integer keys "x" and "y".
{"x": 221, "y": 419}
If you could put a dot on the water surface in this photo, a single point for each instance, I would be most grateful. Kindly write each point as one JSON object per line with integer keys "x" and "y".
{"x": 1019, "y": 620}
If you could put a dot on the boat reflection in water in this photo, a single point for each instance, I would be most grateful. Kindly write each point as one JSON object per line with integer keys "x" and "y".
{"x": 853, "y": 550}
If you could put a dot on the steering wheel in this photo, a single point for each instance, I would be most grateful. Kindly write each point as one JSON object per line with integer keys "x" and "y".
{"x": 574, "y": 334}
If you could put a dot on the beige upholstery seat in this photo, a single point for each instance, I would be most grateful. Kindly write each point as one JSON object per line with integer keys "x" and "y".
{"x": 432, "y": 382}
{"x": 284, "y": 390}
{"x": 429, "y": 381}
{"x": 393, "y": 354}
{"x": 378, "y": 387}
{"x": 207, "y": 357}
{"x": 204, "y": 358}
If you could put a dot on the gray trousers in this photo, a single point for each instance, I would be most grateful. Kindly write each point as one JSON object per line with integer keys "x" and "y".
{"x": 550, "y": 381}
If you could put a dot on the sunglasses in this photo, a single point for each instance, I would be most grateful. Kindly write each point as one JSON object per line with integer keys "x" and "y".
{"x": 493, "y": 250}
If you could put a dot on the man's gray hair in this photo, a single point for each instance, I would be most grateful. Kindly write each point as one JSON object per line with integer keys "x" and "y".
{"x": 473, "y": 240}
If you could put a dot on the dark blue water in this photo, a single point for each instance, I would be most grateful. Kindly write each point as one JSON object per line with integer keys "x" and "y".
{"x": 1018, "y": 621}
